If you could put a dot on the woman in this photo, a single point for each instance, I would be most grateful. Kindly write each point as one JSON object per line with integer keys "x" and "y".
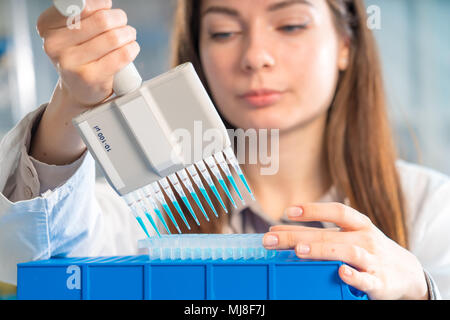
{"x": 308, "y": 68}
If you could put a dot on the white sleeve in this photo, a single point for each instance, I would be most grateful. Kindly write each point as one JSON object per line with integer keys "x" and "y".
{"x": 427, "y": 195}
{"x": 432, "y": 243}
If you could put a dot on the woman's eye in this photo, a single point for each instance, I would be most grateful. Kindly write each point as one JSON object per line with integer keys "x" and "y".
{"x": 221, "y": 35}
{"x": 291, "y": 28}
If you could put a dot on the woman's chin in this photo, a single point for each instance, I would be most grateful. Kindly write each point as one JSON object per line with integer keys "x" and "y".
{"x": 273, "y": 117}
{"x": 268, "y": 125}
{"x": 262, "y": 123}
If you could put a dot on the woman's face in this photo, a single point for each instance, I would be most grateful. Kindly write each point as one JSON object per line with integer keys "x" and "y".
{"x": 290, "y": 48}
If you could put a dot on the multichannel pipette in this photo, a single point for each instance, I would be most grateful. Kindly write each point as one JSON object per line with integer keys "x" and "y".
{"x": 133, "y": 138}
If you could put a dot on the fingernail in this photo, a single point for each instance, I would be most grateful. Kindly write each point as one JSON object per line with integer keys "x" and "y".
{"x": 347, "y": 271}
{"x": 303, "y": 249}
{"x": 294, "y": 212}
{"x": 270, "y": 241}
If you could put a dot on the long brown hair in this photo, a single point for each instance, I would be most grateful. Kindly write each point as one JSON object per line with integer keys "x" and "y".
{"x": 359, "y": 144}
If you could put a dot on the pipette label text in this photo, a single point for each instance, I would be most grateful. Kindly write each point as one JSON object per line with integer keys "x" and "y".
{"x": 101, "y": 137}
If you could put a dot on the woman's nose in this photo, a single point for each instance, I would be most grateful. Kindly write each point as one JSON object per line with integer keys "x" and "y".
{"x": 257, "y": 55}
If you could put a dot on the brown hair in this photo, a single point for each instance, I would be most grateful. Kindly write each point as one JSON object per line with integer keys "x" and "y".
{"x": 359, "y": 144}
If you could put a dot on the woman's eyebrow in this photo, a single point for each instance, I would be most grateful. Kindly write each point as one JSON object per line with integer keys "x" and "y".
{"x": 287, "y": 3}
{"x": 271, "y": 8}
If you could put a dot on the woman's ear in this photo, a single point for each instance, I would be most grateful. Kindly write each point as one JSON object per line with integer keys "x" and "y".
{"x": 343, "y": 54}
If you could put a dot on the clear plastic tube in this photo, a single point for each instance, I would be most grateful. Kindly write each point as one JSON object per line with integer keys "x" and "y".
{"x": 166, "y": 187}
{"x": 131, "y": 201}
{"x": 176, "y": 184}
{"x": 143, "y": 204}
{"x": 187, "y": 183}
{"x": 204, "y": 172}
{"x": 234, "y": 162}
{"x": 194, "y": 175}
{"x": 224, "y": 166}
{"x": 150, "y": 201}
{"x": 215, "y": 170}
{"x": 160, "y": 197}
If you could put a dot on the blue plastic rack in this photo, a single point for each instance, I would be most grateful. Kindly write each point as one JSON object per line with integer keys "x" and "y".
{"x": 284, "y": 276}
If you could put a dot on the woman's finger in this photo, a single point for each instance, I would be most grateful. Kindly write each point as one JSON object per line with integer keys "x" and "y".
{"x": 338, "y": 213}
{"x": 288, "y": 227}
{"x": 362, "y": 281}
{"x": 289, "y": 239}
{"x": 101, "y": 46}
{"x": 348, "y": 253}
{"x": 52, "y": 19}
{"x": 58, "y": 41}
{"x": 118, "y": 58}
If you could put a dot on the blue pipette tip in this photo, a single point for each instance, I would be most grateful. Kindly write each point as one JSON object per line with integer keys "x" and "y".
{"x": 216, "y": 193}
{"x": 208, "y": 199}
{"x": 159, "y": 214}
{"x": 169, "y": 213}
{"x": 149, "y": 217}
{"x": 188, "y": 205}
{"x": 197, "y": 200}
{"x": 244, "y": 181}
{"x": 233, "y": 183}
{"x": 225, "y": 188}
{"x": 177, "y": 206}
{"x": 141, "y": 223}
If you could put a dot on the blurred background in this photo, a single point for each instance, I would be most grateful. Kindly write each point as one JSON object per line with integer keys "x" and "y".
{"x": 413, "y": 40}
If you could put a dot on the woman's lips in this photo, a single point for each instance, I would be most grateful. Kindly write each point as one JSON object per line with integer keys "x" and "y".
{"x": 263, "y": 99}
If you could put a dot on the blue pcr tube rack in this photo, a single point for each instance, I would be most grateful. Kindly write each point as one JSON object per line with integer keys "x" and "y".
{"x": 281, "y": 276}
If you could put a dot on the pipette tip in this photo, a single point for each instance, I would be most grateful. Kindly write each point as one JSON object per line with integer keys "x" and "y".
{"x": 188, "y": 205}
{"x": 180, "y": 212}
{"x": 199, "y": 204}
{"x": 169, "y": 213}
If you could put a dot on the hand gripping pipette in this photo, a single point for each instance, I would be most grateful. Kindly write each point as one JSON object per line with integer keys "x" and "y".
{"x": 133, "y": 137}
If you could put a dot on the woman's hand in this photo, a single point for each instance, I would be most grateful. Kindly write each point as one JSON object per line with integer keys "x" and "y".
{"x": 87, "y": 60}
{"x": 380, "y": 267}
